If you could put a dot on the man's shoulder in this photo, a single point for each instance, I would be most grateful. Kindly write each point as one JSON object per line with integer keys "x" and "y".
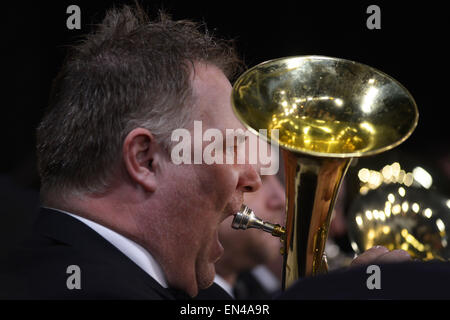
{"x": 63, "y": 259}
{"x": 61, "y": 271}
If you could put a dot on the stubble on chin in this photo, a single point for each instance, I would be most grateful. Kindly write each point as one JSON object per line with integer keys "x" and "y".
{"x": 205, "y": 278}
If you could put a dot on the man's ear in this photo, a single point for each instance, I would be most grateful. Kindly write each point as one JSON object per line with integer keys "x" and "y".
{"x": 139, "y": 153}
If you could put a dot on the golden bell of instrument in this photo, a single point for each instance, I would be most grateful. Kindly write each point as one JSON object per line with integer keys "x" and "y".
{"x": 400, "y": 217}
{"x": 326, "y": 111}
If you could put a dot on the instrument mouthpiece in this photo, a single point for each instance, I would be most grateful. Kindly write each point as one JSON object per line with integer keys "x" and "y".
{"x": 246, "y": 218}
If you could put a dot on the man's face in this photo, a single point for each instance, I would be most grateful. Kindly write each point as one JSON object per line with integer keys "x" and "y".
{"x": 247, "y": 249}
{"x": 198, "y": 197}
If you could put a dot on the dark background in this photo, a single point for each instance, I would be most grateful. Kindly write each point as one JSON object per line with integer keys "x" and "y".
{"x": 411, "y": 47}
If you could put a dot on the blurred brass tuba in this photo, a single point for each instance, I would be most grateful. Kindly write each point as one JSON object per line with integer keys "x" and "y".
{"x": 327, "y": 111}
{"x": 397, "y": 216}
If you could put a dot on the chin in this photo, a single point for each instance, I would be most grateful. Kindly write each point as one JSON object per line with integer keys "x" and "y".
{"x": 206, "y": 278}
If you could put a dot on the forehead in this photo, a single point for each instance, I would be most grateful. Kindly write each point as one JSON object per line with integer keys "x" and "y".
{"x": 212, "y": 98}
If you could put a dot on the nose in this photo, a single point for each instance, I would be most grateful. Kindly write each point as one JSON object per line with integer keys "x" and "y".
{"x": 249, "y": 180}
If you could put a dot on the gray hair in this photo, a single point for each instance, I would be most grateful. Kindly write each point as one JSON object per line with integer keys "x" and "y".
{"x": 131, "y": 72}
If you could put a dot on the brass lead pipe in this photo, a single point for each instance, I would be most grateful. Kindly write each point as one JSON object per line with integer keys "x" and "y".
{"x": 246, "y": 218}
{"x": 311, "y": 196}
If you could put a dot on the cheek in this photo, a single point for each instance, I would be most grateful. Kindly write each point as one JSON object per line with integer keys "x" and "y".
{"x": 181, "y": 186}
{"x": 217, "y": 184}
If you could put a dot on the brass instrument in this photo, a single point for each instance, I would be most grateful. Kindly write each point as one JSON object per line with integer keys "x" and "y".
{"x": 397, "y": 216}
{"x": 327, "y": 111}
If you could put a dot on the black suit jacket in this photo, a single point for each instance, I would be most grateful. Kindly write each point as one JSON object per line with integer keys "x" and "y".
{"x": 248, "y": 287}
{"x": 38, "y": 268}
{"x": 398, "y": 281}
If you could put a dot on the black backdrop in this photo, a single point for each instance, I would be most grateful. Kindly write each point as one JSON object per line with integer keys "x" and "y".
{"x": 411, "y": 46}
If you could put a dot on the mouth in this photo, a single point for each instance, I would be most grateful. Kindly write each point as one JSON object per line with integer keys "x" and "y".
{"x": 232, "y": 208}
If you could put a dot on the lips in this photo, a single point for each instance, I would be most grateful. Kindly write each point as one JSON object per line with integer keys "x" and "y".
{"x": 232, "y": 208}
